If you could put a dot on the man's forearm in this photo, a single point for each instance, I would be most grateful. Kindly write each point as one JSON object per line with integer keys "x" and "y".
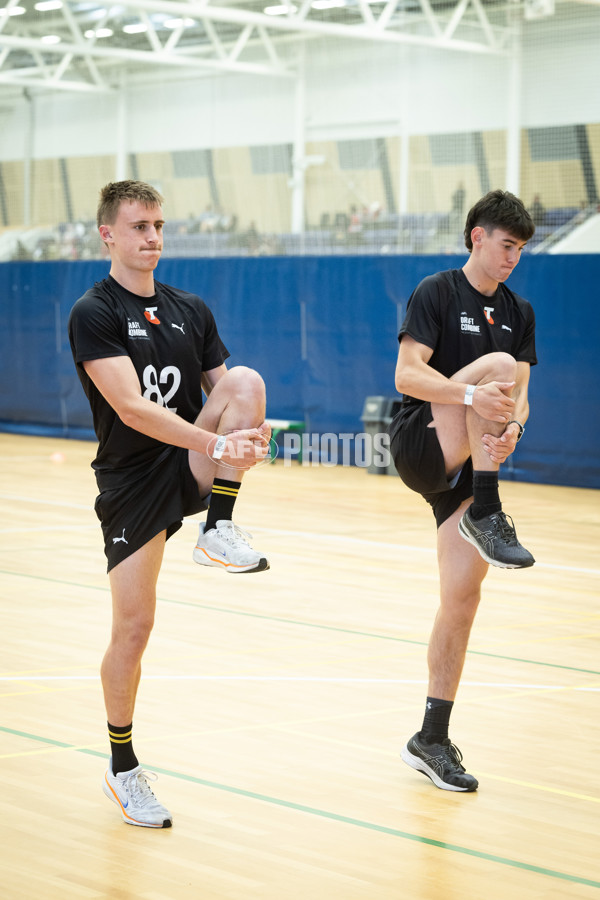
{"x": 163, "y": 425}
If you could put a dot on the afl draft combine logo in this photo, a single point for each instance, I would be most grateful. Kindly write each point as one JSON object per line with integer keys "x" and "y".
{"x": 467, "y": 323}
{"x": 149, "y": 314}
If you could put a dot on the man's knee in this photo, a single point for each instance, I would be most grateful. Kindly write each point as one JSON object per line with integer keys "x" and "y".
{"x": 460, "y": 608}
{"x": 237, "y": 401}
{"x": 501, "y": 367}
{"x": 132, "y": 633}
{"x": 242, "y": 379}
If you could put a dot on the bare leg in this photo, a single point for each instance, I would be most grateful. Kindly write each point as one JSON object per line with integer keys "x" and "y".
{"x": 133, "y": 587}
{"x": 459, "y": 428}
{"x": 462, "y": 571}
{"x": 236, "y": 402}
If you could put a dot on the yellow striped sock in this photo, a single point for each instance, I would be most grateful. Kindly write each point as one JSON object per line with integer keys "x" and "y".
{"x": 121, "y": 748}
{"x": 222, "y": 500}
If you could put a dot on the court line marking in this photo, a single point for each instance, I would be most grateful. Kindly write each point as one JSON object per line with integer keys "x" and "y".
{"x": 322, "y": 679}
{"x": 48, "y": 528}
{"x": 292, "y": 727}
{"x": 368, "y": 634}
{"x": 409, "y": 548}
{"x": 310, "y": 535}
{"x": 321, "y": 738}
{"x": 341, "y": 819}
{"x": 61, "y": 503}
{"x": 299, "y": 622}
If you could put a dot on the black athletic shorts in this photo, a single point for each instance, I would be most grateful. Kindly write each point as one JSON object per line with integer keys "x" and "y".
{"x": 420, "y": 463}
{"x": 132, "y": 514}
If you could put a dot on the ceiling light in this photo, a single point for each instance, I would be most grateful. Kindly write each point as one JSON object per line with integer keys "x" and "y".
{"x": 98, "y": 33}
{"x": 46, "y": 5}
{"x": 281, "y": 10}
{"x": 14, "y": 11}
{"x": 179, "y": 23}
{"x": 327, "y": 4}
{"x": 50, "y": 39}
{"x": 135, "y": 28}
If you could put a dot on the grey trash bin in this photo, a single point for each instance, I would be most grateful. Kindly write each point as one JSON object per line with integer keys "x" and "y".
{"x": 377, "y": 414}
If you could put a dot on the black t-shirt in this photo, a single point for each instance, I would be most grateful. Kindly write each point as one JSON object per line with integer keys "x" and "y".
{"x": 171, "y": 339}
{"x": 446, "y": 313}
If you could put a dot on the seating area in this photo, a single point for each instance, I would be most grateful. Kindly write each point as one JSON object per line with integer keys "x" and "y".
{"x": 392, "y": 233}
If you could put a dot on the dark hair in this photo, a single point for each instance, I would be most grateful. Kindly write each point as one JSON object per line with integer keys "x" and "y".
{"x": 113, "y": 194}
{"x": 499, "y": 209}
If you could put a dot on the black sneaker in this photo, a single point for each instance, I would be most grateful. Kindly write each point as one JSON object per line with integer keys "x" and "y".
{"x": 440, "y": 762}
{"x": 496, "y": 540}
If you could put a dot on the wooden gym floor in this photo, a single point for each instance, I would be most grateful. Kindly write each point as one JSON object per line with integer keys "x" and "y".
{"x": 273, "y": 707}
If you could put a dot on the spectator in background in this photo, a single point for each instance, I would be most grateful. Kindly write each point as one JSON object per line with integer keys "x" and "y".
{"x": 20, "y": 253}
{"x": 355, "y": 223}
{"x": 209, "y": 219}
{"x": 251, "y": 239}
{"x": 458, "y": 200}
{"x": 537, "y": 211}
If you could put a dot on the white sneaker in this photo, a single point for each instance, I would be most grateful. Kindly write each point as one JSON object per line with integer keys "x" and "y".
{"x": 226, "y": 548}
{"x": 131, "y": 791}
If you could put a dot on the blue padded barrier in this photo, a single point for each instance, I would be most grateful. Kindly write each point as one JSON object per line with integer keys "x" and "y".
{"x": 322, "y": 332}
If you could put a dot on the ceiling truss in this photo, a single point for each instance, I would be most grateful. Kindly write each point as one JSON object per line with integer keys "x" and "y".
{"x": 92, "y": 45}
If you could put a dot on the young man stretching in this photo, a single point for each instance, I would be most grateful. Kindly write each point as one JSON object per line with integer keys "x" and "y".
{"x": 466, "y": 347}
{"x": 145, "y": 352}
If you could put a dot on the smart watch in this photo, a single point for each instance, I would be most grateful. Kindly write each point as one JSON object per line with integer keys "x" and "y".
{"x": 521, "y": 429}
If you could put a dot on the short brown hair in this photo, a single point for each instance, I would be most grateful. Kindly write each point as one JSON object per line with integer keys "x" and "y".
{"x": 113, "y": 194}
{"x": 499, "y": 209}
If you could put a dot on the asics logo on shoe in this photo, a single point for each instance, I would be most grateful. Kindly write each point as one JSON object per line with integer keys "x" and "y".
{"x": 116, "y": 540}
{"x": 178, "y": 327}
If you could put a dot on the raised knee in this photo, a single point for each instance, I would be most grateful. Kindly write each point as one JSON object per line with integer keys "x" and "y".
{"x": 245, "y": 379}
{"x": 503, "y": 366}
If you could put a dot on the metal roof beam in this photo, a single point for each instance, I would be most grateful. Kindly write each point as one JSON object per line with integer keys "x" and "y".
{"x": 91, "y": 50}
{"x": 19, "y": 77}
{"x": 293, "y": 23}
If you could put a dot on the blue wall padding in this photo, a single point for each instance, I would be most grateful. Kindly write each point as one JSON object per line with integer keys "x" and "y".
{"x": 322, "y": 332}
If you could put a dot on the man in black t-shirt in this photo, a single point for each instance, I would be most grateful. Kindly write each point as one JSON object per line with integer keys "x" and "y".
{"x": 145, "y": 353}
{"x": 466, "y": 347}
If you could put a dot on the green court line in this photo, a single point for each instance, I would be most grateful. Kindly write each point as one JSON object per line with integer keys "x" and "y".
{"x": 382, "y": 637}
{"x": 300, "y": 622}
{"x": 333, "y": 817}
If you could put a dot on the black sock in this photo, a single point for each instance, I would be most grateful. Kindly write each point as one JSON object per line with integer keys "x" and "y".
{"x": 436, "y": 720}
{"x": 121, "y": 746}
{"x": 486, "y": 497}
{"x": 222, "y": 500}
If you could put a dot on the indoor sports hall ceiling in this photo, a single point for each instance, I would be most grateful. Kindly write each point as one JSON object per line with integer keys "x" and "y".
{"x": 96, "y": 45}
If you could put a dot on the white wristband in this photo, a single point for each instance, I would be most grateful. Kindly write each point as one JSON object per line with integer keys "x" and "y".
{"x": 219, "y": 447}
{"x": 468, "y": 401}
